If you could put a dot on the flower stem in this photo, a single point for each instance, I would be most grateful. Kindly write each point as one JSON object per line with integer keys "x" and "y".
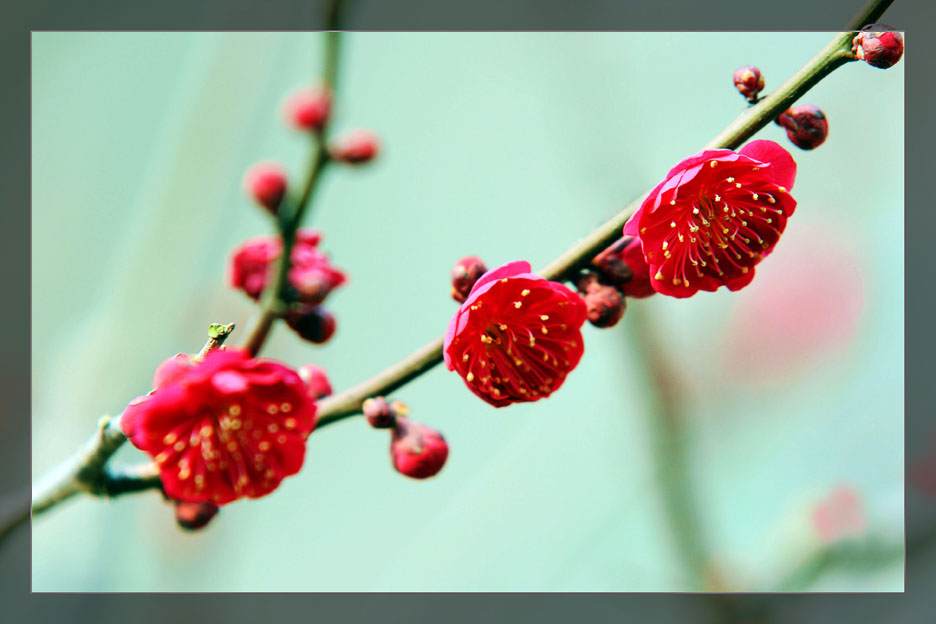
{"x": 832, "y": 56}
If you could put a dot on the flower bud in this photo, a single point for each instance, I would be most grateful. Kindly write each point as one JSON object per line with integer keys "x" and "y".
{"x": 749, "y": 82}
{"x": 266, "y": 184}
{"x": 356, "y": 147}
{"x": 624, "y": 266}
{"x": 313, "y": 323}
{"x": 316, "y": 381}
{"x": 308, "y": 109}
{"x": 378, "y": 413}
{"x": 194, "y": 516}
{"x": 464, "y": 275}
{"x": 878, "y": 48}
{"x": 806, "y": 126}
{"x": 605, "y": 305}
{"x": 417, "y": 451}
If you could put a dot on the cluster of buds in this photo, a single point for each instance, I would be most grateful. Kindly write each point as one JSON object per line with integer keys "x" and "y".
{"x": 806, "y": 126}
{"x": 749, "y": 82}
{"x": 878, "y": 46}
{"x": 311, "y": 278}
{"x": 416, "y": 450}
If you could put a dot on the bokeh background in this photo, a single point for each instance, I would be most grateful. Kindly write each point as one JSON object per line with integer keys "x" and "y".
{"x": 505, "y": 145}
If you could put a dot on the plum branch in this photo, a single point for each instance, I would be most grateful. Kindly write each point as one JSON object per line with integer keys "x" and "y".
{"x": 87, "y": 472}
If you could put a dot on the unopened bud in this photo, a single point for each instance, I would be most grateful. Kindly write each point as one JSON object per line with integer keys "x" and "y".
{"x": 416, "y": 450}
{"x": 266, "y": 184}
{"x": 624, "y": 266}
{"x": 464, "y": 275}
{"x": 806, "y": 126}
{"x": 749, "y": 81}
{"x": 313, "y": 323}
{"x": 605, "y": 305}
{"x": 878, "y": 47}
{"x": 356, "y": 147}
{"x": 194, "y": 516}
{"x": 378, "y": 413}
{"x": 308, "y": 109}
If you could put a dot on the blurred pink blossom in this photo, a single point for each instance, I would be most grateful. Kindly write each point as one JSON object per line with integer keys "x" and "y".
{"x": 806, "y": 304}
{"x": 839, "y": 515}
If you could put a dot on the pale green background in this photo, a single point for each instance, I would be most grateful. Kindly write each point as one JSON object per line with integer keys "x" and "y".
{"x": 508, "y": 145}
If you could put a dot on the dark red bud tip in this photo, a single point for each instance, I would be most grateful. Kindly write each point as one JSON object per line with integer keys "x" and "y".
{"x": 464, "y": 275}
{"x": 308, "y": 109}
{"x": 316, "y": 381}
{"x": 313, "y": 323}
{"x": 612, "y": 265}
{"x": 878, "y": 47}
{"x": 749, "y": 81}
{"x": 356, "y": 147}
{"x": 378, "y": 413}
{"x": 194, "y": 516}
{"x": 806, "y": 126}
{"x": 265, "y": 183}
{"x": 416, "y": 450}
{"x": 605, "y": 305}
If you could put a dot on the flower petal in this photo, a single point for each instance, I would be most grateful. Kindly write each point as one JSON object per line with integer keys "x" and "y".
{"x": 782, "y": 167}
{"x": 505, "y": 270}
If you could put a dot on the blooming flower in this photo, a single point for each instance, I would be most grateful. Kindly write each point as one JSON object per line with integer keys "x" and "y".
{"x": 516, "y": 336}
{"x": 417, "y": 451}
{"x": 311, "y": 275}
{"x": 715, "y": 216}
{"x": 223, "y": 428}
